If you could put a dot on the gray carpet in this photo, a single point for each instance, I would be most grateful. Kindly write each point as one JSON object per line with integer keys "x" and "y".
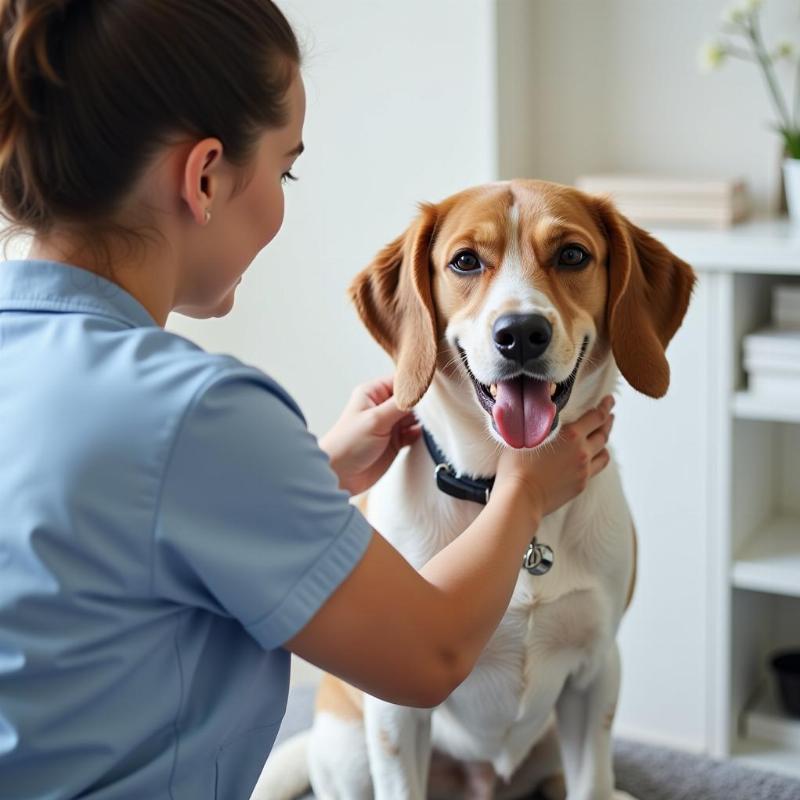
{"x": 648, "y": 773}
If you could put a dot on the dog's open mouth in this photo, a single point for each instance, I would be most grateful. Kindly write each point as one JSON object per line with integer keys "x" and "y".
{"x": 524, "y": 409}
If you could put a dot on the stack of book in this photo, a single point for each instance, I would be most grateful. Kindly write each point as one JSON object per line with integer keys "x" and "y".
{"x": 772, "y": 355}
{"x": 650, "y": 200}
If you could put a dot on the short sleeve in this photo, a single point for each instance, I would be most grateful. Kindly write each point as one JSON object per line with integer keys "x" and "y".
{"x": 251, "y": 521}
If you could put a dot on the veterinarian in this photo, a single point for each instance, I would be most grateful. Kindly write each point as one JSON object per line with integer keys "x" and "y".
{"x": 169, "y": 529}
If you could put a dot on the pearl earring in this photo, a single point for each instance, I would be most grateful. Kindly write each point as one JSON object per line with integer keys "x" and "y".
{"x": 207, "y": 216}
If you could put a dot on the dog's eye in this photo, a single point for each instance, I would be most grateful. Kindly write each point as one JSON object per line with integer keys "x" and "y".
{"x": 573, "y": 256}
{"x": 466, "y": 261}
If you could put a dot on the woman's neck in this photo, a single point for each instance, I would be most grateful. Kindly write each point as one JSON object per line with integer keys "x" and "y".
{"x": 139, "y": 267}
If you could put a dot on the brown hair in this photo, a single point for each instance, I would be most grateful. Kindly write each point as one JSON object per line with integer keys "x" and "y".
{"x": 90, "y": 88}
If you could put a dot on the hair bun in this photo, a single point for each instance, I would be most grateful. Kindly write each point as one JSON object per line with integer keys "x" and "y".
{"x": 27, "y": 28}
{"x": 27, "y": 32}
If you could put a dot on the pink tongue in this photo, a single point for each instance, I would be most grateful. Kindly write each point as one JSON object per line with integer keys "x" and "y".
{"x": 523, "y": 412}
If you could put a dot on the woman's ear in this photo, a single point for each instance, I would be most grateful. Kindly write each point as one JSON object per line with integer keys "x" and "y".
{"x": 394, "y": 300}
{"x": 649, "y": 290}
{"x": 200, "y": 180}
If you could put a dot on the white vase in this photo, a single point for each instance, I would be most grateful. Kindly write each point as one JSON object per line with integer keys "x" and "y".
{"x": 791, "y": 184}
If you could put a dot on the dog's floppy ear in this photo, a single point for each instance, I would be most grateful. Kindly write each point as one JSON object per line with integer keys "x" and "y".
{"x": 648, "y": 293}
{"x": 393, "y": 298}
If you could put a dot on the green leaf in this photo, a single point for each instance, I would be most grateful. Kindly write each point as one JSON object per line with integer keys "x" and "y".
{"x": 791, "y": 140}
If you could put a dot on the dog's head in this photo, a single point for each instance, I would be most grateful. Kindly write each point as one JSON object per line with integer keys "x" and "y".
{"x": 523, "y": 290}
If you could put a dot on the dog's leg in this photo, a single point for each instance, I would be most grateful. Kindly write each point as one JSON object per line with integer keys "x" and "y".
{"x": 399, "y": 748}
{"x": 585, "y": 715}
{"x": 337, "y": 759}
{"x": 481, "y": 781}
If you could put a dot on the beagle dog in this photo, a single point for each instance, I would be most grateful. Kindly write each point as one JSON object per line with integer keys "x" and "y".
{"x": 509, "y": 310}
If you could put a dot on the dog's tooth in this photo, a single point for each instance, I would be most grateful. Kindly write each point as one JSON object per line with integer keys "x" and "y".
{"x": 552, "y": 389}
{"x": 493, "y": 390}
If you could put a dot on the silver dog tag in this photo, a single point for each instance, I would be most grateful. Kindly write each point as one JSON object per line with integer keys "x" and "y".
{"x": 538, "y": 558}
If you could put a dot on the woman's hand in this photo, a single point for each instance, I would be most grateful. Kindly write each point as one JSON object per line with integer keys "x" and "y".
{"x": 555, "y": 474}
{"x": 368, "y": 436}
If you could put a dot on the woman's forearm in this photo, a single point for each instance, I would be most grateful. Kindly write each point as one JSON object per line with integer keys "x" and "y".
{"x": 475, "y": 576}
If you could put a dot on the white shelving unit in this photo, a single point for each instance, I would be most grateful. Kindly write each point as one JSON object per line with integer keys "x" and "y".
{"x": 769, "y": 561}
{"x": 778, "y": 409}
{"x": 753, "y": 514}
{"x": 766, "y": 721}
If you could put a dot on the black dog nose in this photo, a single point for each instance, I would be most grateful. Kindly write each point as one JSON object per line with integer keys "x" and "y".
{"x": 522, "y": 337}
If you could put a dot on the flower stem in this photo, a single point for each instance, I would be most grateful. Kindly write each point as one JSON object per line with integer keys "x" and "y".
{"x": 769, "y": 73}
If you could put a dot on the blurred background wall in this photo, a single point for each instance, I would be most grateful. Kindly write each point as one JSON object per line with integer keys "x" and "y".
{"x": 615, "y": 85}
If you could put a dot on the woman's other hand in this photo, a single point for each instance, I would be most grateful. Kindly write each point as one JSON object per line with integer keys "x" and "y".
{"x": 368, "y": 435}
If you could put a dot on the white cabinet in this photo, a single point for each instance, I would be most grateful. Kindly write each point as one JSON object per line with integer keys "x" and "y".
{"x": 713, "y": 476}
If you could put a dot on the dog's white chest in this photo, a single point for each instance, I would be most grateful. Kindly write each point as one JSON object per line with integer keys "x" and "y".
{"x": 511, "y": 693}
{"x": 557, "y": 627}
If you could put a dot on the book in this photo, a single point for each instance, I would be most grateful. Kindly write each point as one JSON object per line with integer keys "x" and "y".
{"x": 774, "y": 383}
{"x": 655, "y": 200}
{"x": 772, "y": 343}
{"x": 772, "y": 362}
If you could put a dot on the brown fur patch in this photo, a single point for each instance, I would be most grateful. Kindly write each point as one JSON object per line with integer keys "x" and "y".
{"x": 474, "y": 220}
{"x": 388, "y": 745}
{"x": 648, "y": 294}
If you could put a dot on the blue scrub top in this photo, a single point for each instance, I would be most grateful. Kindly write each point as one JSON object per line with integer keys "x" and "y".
{"x": 166, "y": 523}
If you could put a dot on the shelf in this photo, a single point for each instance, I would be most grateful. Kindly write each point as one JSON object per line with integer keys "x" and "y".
{"x": 760, "y": 245}
{"x": 749, "y": 406}
{"x": 767, "y": 756}
{"x": 770, "y": 559}
{"x": 770, "y": 738}
{"x": 765, "y": 720}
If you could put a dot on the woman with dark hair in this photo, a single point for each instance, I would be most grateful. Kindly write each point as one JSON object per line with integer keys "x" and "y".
{"x": 169, "y": 529}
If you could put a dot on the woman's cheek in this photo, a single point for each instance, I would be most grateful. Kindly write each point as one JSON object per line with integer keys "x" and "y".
{"x": 275, "y": 215}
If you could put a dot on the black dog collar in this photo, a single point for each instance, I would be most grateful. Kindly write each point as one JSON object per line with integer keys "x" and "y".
{"x": 539, "y": 557}
{"x": 478, "y": 490}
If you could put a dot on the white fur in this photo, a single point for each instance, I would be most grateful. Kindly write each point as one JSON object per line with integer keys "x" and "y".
{"x": 554, "y": 651}
{"x": 285, "y": 775}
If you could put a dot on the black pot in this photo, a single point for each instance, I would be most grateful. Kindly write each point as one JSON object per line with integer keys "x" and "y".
{"x": 787, "y": 670}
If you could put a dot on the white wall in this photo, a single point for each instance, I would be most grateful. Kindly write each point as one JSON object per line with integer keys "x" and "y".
{"x": 400, "y": 110}
{"x": 615, "y": 85}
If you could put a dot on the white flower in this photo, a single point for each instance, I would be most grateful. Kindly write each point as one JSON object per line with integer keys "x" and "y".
{"x": 712, "y": 56}
{"x": 738, "y": 14}
{"x": 734, "y": 16}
